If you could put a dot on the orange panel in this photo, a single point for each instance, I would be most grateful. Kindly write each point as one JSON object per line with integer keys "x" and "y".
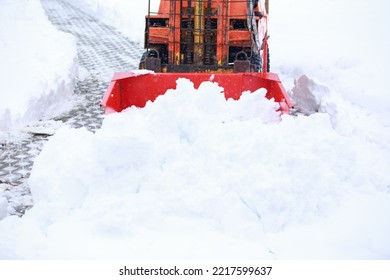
{"x": 239, "y": 38}
{"x": 158, "y": 35}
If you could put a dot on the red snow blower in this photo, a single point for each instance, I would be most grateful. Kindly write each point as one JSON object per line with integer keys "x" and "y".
{"x": 224, "y": 41}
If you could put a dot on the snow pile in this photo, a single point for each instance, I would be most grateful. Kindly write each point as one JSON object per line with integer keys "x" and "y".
{"x": 194, "y": 176}
{"x": 311, "y": 96}
{"x": 37, "y": 69}
{"x": 3, "y": 207}
{"x": 344, "y": 44}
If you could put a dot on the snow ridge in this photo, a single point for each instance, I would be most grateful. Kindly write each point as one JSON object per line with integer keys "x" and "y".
{"x": 38, "y": 69}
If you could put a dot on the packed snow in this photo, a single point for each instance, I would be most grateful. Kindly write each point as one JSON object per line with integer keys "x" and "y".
{"x": 194, "y": 176}
{"x": 3, "y": 207}
{"x": 37, "y": 76}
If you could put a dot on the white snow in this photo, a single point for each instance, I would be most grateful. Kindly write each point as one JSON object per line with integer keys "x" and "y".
{"x": 194, "y": 176}
{"x": 3, "y": 207}
{"x": 37, "y": 69}
{"x": 343, "y": 43}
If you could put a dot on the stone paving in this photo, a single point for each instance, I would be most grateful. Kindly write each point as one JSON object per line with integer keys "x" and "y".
{"x": 101, "y": 51}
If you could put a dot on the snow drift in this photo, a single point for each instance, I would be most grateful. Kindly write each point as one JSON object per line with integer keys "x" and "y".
{"x": 38, "y": 65}
{"x": 194, "y": 176}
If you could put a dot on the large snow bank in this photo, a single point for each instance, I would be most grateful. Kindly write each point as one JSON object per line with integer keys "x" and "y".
{"x": 37, "y": 69}
{"x": 342, "y": 43}
{"x": 194, "y": 176}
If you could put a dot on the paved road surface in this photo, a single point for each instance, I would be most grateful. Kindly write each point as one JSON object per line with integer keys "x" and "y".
{"x": 101, "y": 52}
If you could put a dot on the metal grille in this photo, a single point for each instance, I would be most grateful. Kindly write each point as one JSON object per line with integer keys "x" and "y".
{"x": 200, "y": 32}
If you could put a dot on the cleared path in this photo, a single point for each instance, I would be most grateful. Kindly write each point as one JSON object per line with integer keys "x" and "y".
{"x": 101, "y": 51}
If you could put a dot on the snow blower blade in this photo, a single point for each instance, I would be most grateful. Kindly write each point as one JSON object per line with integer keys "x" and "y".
{"x": 135, "y": 89}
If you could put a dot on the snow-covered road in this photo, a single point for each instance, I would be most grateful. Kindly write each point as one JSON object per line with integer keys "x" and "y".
{"x": 101, "y": 51}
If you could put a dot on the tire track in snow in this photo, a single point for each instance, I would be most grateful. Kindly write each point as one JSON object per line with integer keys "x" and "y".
{"x": 101, "y": 51}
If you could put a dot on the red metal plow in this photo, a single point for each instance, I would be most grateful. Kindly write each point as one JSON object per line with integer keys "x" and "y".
{"x": 134, "y": 89}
